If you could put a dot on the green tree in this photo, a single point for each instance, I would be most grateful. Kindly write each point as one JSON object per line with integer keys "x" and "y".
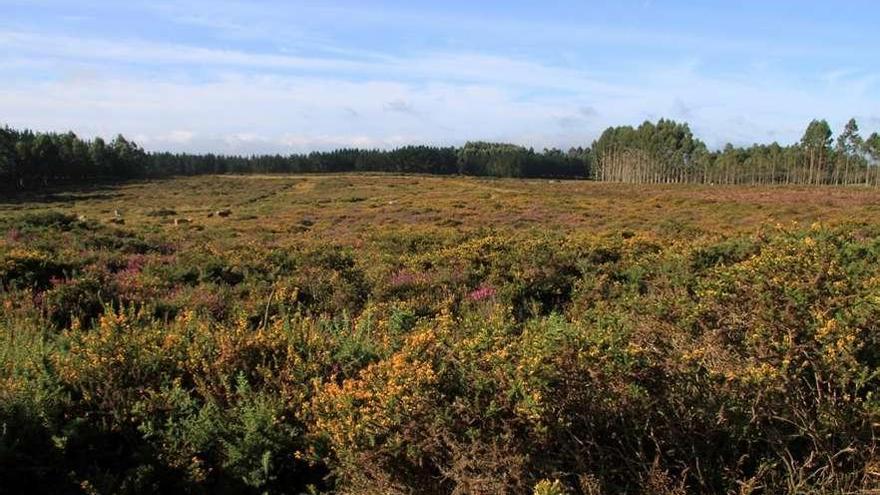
{"x": 816, "y": 143}
{"x": 871, "y": 147}
{"x": 101, "y": 157}
{"x": 8, "y": 139}
{"x": 129, "y": 158}
{"x": 871, "y": 152}
{"x": 849, "y": 145}
{"x": 47, "y": 158}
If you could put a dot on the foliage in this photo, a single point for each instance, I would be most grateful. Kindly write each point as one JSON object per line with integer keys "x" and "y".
{"x": 31, "y": 160}
{"x": 417, "y": 358}
{"x": 667, "y": 152}
{"x": 661, "y": 152}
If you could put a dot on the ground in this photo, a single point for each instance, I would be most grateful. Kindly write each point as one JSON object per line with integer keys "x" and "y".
{"x": 420, "y": 334}
{"x": 346, "y": 209}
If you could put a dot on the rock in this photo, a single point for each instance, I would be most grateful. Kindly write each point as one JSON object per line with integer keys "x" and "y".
{"x": 182, "y": 221}
{"x": 224, "y": 213}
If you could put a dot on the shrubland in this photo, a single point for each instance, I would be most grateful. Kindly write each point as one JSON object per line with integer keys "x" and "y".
{"x": 443, "y": 344}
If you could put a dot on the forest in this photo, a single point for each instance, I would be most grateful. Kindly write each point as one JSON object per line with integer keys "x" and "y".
{"x": 667, "y": 152}
{"x": 33, "y": 160}
{"x": 661, "y": 152}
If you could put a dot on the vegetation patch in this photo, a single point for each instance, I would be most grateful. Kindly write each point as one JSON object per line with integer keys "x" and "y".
{"x": 389, "y": 350}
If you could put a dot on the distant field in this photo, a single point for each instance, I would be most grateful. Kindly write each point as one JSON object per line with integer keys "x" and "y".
{"x": 347, "y": 208}
{"x": 418, "y": 334}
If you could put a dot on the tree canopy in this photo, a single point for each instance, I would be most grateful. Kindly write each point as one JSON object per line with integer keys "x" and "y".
{"x": 665, "y": 151}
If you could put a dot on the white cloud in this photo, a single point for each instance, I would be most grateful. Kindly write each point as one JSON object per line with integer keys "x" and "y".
{"x": 238, "y": 101}
{"x": 242, "y": 113}
{"x": 135, "y": 51}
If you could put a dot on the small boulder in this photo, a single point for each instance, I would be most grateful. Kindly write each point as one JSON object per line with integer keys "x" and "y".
{"x": 224, "y": 213}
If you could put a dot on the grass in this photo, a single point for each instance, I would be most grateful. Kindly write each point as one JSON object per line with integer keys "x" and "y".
{"x": 345, "y": 209}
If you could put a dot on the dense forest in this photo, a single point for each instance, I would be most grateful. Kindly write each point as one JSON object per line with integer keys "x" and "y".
{"x": 662, "y": 152}
{"x": 29, "y": 159}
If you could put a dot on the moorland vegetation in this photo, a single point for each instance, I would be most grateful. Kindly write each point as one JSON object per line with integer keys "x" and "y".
{"x": 391, "y": 334}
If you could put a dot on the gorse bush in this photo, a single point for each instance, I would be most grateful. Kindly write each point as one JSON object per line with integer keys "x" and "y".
{"x": 485, "y": 362}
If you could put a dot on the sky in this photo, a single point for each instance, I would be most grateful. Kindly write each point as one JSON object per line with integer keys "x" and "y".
{"x": 291, "y": 76}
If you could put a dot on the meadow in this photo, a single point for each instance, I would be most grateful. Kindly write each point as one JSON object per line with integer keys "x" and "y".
{"x": 378, "y": 333}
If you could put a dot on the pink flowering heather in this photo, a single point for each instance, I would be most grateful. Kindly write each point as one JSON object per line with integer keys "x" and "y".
{"x": 481, "y": 293}
{"x": 136, "y": 263}
{"x": 13, "y": 235}
{"x": 128, "y": 280}
{"x": 403, "y": 277}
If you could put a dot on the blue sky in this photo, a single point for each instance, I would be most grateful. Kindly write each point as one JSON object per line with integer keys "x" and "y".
{"x": 286, "y": 76}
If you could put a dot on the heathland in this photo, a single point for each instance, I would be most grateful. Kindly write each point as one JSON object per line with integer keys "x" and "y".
{"x": 375, "y": 334}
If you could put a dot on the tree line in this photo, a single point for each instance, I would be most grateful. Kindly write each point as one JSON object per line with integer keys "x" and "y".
{"x": 668, "y": 152}
{"x": 661, "y": 152}
{"x": 29, "y": 160}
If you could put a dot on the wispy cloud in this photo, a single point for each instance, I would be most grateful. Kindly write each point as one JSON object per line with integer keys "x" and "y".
{"x": 294, "y": 76}
{"x": 431, "y": 66}
{"x": 400, "y": 106}
{"x": 128, "y": 51}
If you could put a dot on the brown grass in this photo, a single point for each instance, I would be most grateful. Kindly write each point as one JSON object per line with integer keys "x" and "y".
{"x": 349, "y": 208}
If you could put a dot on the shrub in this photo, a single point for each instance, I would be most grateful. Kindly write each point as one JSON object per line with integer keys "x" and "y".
{"x": 480, "y": 362}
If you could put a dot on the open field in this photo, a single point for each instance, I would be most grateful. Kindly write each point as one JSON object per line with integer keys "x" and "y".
{"x": 351, "y": 208}
{"x": 418, "y": 334}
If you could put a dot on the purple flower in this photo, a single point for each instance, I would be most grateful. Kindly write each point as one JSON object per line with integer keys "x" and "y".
{"x": 402, "y": 278}
{"x": 481, "y": 293}
{"x": 135, "y": 263}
